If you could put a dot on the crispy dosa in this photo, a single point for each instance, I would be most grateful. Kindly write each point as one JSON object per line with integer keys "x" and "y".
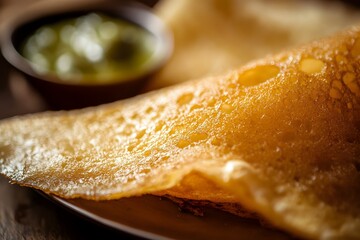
{"x": 280, "y": 136}
{"x": 213, "y": 36}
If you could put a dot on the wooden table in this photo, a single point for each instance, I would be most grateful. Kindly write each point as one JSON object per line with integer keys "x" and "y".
{"x": 25, "y": 214}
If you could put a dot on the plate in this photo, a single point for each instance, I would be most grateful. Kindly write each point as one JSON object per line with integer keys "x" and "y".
{"x": 154, "y": 217}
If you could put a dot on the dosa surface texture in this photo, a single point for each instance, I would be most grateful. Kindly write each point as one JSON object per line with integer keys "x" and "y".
{"x": 280, "y": 136}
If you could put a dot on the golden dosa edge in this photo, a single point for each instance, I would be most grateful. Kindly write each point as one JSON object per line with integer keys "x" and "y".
{"x": 280, "y": 136}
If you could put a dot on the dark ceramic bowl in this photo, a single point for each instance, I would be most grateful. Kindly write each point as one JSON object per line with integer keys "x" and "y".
{"x": 62, "y": 95}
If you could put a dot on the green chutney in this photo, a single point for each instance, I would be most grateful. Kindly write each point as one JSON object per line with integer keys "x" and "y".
{"x": 90, "y": 49}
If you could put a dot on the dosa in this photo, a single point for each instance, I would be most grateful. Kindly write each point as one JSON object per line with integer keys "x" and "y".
{"x": 280, "y": 136}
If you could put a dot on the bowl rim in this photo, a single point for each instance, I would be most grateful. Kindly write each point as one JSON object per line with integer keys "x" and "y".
{"x": 134, "y": 12}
